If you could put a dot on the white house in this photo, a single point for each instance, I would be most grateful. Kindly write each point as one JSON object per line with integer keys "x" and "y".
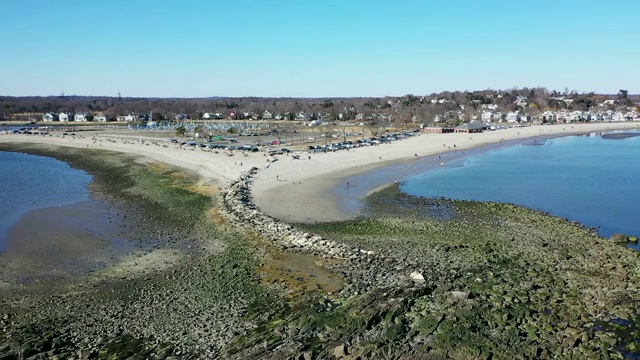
{"x": 267, "y": 115}
{"x": 525, "y": 118}
{"x": 48, "y": 117}
{"x": 487, "y": 116}
{"x": 594, "y": 116}
{"x": 80, "y": 117}
{"x": 548, "y": 116}
{"x": 64, "y": 117}
{"x": 618, "y": 116}
{"x": 206, "y": 116}
{"x": 99, "y": 116}
{"x": 512, "y": 117}
{"x": 562, "y": 116}
{"x": 127, "y": 118}
{"x": 301, "y": 116}
{"x": 575, "y": 116}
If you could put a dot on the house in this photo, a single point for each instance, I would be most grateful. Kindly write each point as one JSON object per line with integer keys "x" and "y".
{"x": 521, "y": 101}
{"x": 548, "y": 116}
{"x": 618, "y": 116}
{"x": 487, "y": 116}
{"x": 48, "y": 117}
{"x": 64, "y": 117}
{"x": 301, "y": 116}
{"x": 594, "y": 116}
{"x": 513, "y": 117}
{"x": 492, "y": 107}
{"x": 207, "y": 116}
{"x": 81, "y": 117}
{"x": 525, "y": 118}
{"x": 575, "y": 116}
{"x": 562, "y": 116}
{"x": 99, "y": 116}
{"x": 267, "y": 115}
{"x": 126, "y": 118}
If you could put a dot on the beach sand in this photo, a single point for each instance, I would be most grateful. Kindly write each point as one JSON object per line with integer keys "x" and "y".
{"x": 315, "y": 190}
{"x": 305, "y": 190}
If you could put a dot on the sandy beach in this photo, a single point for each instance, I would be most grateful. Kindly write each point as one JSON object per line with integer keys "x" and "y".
{"x": 303, "y": 190}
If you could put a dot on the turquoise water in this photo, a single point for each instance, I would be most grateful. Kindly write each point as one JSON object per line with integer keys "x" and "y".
{"x": 582, "y": 178}
{"x": 32, "y": 182}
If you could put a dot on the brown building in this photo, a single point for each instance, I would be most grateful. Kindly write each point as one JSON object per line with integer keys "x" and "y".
{"x": 437, "y": 130}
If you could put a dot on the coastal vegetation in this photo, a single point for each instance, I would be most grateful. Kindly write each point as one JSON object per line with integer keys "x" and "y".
{"x": 487, "y": 280}
{"x": 447, "y": 107}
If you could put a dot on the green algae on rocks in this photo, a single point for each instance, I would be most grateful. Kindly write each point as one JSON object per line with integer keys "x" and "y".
{"x": 507, "y": 281}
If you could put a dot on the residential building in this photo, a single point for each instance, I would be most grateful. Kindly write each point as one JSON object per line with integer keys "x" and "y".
{"x": 513, "y": 116}
{"x": 99, "y": 116}
{"x": 126, "y": 118}
{"x": 548, "y": 116}
{"x": 81, "y": 117}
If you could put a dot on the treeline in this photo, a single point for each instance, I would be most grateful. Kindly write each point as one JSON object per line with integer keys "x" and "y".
{"x": 447, "y": 105}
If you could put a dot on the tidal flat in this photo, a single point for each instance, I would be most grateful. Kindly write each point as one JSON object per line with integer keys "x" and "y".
{"x": 496, "y": 281}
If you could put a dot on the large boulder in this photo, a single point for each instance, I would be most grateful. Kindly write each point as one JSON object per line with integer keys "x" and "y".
{"x": 618, "y": 238}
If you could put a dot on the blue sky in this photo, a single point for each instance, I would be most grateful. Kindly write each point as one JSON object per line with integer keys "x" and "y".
{"x": 308, "y": 48}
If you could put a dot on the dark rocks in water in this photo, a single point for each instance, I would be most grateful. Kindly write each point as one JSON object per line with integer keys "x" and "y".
{"x": 618, "y": 238}
{"x": 623, "y": 239}
{"x": 619, "y": 136}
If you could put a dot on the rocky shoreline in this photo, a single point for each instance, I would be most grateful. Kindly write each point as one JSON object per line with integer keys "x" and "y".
{"x": 363, "y": 270}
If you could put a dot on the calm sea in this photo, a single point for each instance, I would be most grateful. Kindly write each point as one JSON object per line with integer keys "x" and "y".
{"x": 32, "y": 182}
{"x": 584, "y": 178}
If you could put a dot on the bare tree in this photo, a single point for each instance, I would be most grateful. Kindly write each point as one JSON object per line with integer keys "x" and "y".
{"x": 375, "y": 126}
{"x": 327, "y": 130}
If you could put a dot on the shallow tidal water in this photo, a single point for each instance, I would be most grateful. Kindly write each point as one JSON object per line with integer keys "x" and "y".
{"x": 584, "y": 178}
{"x": 31, "y": 182}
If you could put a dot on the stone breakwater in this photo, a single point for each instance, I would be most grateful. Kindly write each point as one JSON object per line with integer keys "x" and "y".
{"x": 363, "y": 270}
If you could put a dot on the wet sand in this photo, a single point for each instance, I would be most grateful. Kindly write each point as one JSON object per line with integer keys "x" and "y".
{"x": 619, "y": 136}
{"x": 61, "y": 242}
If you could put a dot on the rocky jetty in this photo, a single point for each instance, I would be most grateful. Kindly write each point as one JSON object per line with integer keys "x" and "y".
{"x": 363, "y": 270}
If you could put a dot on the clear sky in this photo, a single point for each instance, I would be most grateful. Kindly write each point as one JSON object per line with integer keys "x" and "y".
{"x": 315, "y": 48}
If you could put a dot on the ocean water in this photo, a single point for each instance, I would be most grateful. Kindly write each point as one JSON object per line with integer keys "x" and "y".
{"x": 32, "y": 182}
{"x": 583, "y": 178}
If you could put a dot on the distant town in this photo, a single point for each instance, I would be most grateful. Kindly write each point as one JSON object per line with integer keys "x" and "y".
{"x": 446, "y": 109}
